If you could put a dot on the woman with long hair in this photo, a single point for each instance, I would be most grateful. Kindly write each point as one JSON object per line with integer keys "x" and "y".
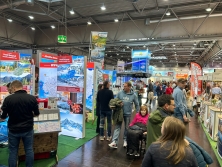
{"x": 171, "y": 149}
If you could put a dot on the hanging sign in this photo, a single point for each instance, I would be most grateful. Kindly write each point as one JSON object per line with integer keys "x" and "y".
{"x": 62, "y": 39}
{"x": 141, "y": 54}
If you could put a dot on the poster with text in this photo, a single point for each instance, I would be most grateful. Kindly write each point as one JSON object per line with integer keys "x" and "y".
{"x": 196, "y": 85}
{"x": 89, "y": 89}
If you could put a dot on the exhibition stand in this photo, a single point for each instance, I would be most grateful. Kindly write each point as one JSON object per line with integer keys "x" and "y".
{"x": 206, "y": 116}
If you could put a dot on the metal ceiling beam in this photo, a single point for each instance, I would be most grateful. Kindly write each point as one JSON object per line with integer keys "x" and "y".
{"x": 119, "y": 27}
{"x": 215, "y": 51}
{"x": 206, "y": 18}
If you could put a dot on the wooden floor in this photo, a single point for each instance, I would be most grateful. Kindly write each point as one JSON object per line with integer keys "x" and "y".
{"x": 96, "y": 153}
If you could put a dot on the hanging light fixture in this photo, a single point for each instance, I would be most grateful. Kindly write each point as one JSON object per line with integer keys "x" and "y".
{"x": 103, "y": 7}
{"x": 89, "y": 22}
{"x": 168, "y": 13}
{"x": 116, "y": 20}
{"x": 72, "y": 12}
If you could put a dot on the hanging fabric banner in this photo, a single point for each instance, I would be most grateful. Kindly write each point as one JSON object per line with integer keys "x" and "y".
{"x": 98, "y": 46}
{"x": 196, "y": 85}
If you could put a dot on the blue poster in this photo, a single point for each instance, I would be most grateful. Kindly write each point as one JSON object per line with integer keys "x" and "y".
{"x": 89, "y": 89}
{"x": 3, "y": 131}
{"x": 140, "y": 65}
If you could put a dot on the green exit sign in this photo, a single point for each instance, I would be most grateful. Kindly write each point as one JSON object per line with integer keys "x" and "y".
{"x": 62, "y": 39}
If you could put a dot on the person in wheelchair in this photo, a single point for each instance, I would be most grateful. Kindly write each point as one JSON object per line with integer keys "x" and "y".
{"x": 137, "y": 131}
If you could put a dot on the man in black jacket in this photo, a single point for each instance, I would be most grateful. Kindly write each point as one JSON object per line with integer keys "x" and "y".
{"x": 103, "y": 98}
{"x": 149, "y": 92}
{"x": 20, "y": 107}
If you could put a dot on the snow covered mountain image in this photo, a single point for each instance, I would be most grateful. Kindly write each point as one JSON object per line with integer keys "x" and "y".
{"x": 70, "y": 125}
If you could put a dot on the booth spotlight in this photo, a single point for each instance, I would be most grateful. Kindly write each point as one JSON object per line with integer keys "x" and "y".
{"x": 31, "y": 17}
{"x": 72, "y": 12}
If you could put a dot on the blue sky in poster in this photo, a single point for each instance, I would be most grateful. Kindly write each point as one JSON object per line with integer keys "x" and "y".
{"x": 7, "y": 63}
{"x": 23, "y": 55}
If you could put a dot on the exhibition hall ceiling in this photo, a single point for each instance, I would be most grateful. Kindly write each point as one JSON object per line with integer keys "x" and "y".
{"x": 42, "y": 15}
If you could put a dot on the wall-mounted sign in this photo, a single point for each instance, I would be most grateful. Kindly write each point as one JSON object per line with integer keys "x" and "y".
{"x": 217, "y": 76}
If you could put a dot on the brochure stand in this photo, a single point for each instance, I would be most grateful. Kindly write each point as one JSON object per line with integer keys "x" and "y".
{"x": 46, "y": 129}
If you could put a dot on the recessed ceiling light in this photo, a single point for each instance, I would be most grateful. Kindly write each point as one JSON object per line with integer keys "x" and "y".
{"x": 208, "y": 9}
{"x": 10, "y": 20}
{"x": 31, "y": 17}
{"x": 103, "y": 7}
{"x": 144, "y": 46}
{"x": 72, "y": 11}
{"x": 174, "y": 45}
{"x": 168, "y": 13}
{"x": 33, "y": 28}
{"x": 116, "y": 20}
{"x": 89, "y": 23}
{"x": 195, "y": 44}
{"x": 127, "y": 47}
{"x": 52, "y": 26}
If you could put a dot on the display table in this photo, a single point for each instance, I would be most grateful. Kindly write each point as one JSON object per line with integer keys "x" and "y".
{"x": 206, "y": 112}
{"x": 214, "y": 121}
{"x": 46, "y": 129}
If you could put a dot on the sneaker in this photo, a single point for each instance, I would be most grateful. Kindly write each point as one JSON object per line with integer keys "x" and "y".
{"x": 113, "y": 145}
{"x": 136, "y": 154}
{"x": 108, "y": 138}
{"x": 124, "y": 144}
{"x": 131, "y": 152}
{"x": 101, "y": 138}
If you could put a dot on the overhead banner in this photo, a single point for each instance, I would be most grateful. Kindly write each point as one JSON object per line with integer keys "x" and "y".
{"x": 98, "y": 46}
{"x": 196, "y": 85}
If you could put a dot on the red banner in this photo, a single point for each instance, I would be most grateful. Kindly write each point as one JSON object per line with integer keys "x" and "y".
{"x": 48, "y": 65}
{"x": 196, "y": 85}
{"x": 90, "y": 65}
{"x": 65, "y": 60}
{"x": 49, "y": 56}
{"x": 69, "y": 89}
{"x": 4, "y": 88}
{"x": 9, "y": 56}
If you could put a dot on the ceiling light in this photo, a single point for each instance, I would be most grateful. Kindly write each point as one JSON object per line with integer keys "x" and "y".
{"x": 117, "y": 54}
{"x": 127, "y": 47}
{"x": 144, "y": 46}
{"x": 111, "y": 56}
{"x": 31, "y": 17}
{"x": 52, "y": 26}
{"x": 10, "y": 20}
{"x": 33, "y": 28}
{"x": 168, "y": 13}
{"x": 121, "y": 56}
{"x": 174, "y": 45}
{"x": 116, "y": 20}
{"x": 72, "y": 11}
{"x": 103, "y": 7}
{"x": 152, "y": 38}
{"x": 89, "y": 23}
{"x": 208, "y": 9}
{"x": 195, "y": 44}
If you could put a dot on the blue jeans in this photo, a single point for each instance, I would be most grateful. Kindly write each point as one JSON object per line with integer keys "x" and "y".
{"x": 108, "y": 115}
{"x": 13, "y": 140}
{"x": 118, "y": 129}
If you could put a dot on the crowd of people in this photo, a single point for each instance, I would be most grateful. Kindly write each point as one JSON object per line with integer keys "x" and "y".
{"x": 163, "y": 129}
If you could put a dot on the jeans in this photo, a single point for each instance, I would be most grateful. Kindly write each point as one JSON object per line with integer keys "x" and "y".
{"x": 108, "y": 115}
{"x": 118, "y": 129}
{"x": 13, "y": 140}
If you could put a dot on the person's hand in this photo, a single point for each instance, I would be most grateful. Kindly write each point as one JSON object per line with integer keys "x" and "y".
{"x": 144, "y": 133}
{"x": 185, "y": 118}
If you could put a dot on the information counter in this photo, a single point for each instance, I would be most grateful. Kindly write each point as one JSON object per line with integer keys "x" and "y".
{"x": 215, "y": 113}
{"x": 46, "y": 129}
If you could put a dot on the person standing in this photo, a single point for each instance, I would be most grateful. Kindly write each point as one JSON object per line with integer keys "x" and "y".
{"x": 103, "y": 98}
{"x": 216, "y": 90}
{"x": 180, "y": 101}
{"x": 165, "y": 108}
{"x": 20, "y": 107}
{"x": 159, "y": 90}
{"x": 149, "y": 92}
{"x": 100, "y": 86}
{"x": 128, "y": 97}
{"x": 169, "y": 89}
